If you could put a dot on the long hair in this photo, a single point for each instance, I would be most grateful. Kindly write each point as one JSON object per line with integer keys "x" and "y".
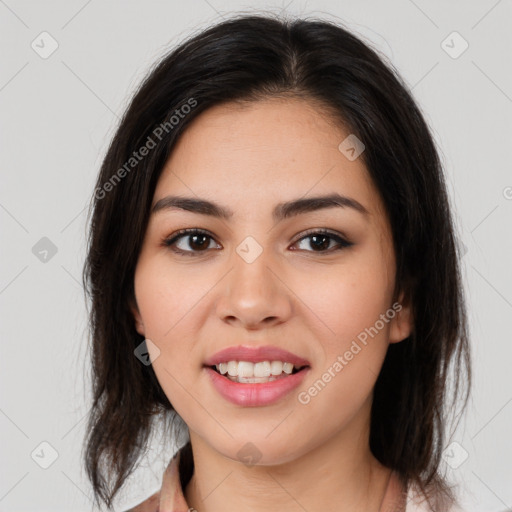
{"x": 244, "y": 59}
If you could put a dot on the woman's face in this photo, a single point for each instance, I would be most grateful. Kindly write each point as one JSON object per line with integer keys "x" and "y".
{"x": 267, "y": 275}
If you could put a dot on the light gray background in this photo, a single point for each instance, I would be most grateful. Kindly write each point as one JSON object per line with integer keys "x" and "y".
{"x": 58, "y": 114}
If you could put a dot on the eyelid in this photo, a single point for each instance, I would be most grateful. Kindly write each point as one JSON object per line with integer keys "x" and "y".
{"x": 322, "y": 231}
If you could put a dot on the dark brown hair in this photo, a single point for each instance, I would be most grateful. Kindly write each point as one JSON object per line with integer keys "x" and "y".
{"x": 247, "y": 58}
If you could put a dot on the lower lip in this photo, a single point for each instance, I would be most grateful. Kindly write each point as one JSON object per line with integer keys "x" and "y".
{"x": 254, "y": 395}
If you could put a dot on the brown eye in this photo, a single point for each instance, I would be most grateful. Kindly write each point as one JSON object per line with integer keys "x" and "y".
{"x": 190, "y": 241}
{"x": 198, "y": 242}
{"x": 323, "y": 241}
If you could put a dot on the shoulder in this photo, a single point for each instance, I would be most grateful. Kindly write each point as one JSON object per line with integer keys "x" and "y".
{"x": 416, "y": 502}
{"x": 151, "y": 504}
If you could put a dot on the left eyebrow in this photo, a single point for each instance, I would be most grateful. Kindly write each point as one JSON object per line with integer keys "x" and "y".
{"x": 310, "y": 204}
{"x": 281, "y": 211}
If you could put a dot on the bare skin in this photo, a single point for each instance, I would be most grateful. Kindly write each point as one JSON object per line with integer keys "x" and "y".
{"x": 315, "y": 456}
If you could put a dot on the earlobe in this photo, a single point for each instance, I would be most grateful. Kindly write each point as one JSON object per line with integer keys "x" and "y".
{"x": 402, "y": 323}
{"x": 139, "y": 325}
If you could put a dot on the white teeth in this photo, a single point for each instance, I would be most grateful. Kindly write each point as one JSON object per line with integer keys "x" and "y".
{"x": 232, "y": 368}
{"x": 262, "y": 369}
{"x": 246, "y": 369}
{"x": 276, "y": 367}
{"x": 287, "y": 368}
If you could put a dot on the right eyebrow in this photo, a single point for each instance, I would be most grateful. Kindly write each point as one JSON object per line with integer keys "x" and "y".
{"x": 191, "y": 204}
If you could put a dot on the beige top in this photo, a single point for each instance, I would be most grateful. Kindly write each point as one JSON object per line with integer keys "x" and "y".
{"x": 170, "y": 497}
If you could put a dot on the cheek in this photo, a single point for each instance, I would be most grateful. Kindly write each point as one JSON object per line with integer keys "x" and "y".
{"x": 171, "y": 303}
{"x": 351, "y": 301}
{"x": 167, "y": 297}
{"x": 351, "y": 304}
{"x": 348, "y": 299}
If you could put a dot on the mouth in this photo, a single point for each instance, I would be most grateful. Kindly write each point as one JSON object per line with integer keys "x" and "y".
{"x": 250, "y": 376}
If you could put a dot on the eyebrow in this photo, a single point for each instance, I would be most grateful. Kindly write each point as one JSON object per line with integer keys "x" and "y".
{"x": 281, "y": 211}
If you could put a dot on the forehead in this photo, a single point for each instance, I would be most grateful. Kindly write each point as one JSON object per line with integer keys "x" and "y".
{"x": 248, "y": 155}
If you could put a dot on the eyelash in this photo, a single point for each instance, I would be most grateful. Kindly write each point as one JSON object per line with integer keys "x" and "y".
{"x": 170, "y": 241}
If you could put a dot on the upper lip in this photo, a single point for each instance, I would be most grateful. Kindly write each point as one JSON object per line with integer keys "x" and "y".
{"x": 255, "y": 355}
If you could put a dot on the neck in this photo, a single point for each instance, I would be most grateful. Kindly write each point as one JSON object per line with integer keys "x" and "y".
{"x": 340, "y": 475}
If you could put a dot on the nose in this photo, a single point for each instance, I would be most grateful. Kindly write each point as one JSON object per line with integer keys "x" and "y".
{"x": 254, "y": 295}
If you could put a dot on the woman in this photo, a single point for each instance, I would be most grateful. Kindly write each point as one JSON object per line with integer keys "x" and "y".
{"x": 272, "y": 260}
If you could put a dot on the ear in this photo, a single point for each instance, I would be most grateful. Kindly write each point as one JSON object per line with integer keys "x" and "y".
{"x": 402, "y": 323}
{"x": 139, "y": 325}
